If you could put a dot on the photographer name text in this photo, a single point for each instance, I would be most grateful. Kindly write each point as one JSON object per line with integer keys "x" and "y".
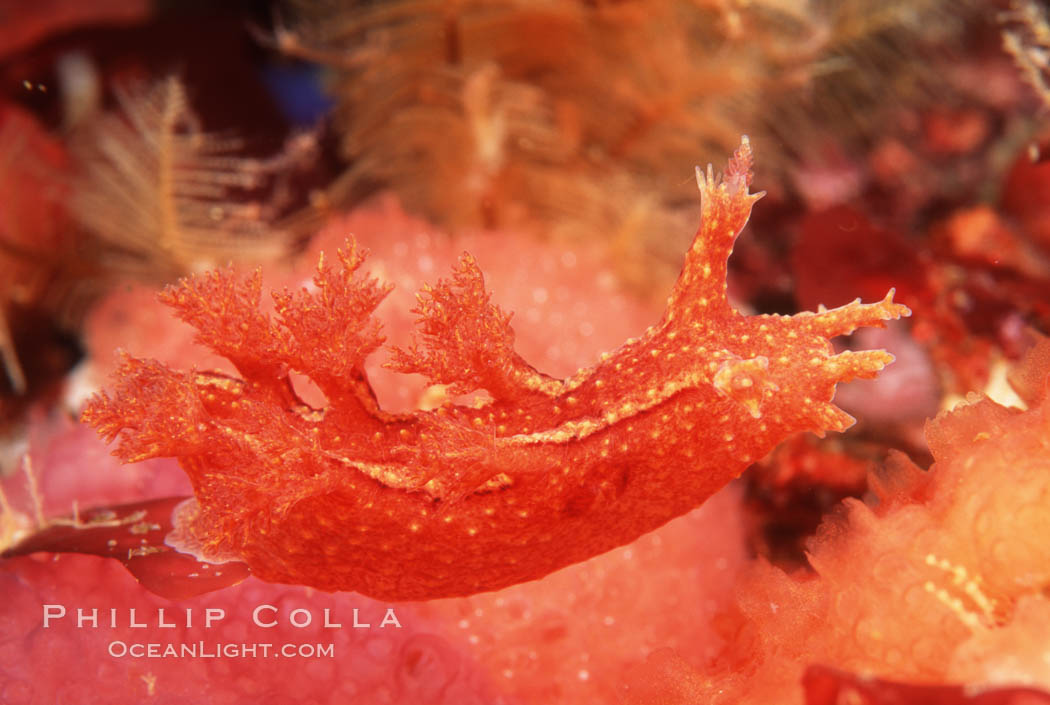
{"x": 263, "y": 616}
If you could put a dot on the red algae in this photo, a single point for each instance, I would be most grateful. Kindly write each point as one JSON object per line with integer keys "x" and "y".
{"x": 466, "y": 499}
{"x": 788, "y": 492}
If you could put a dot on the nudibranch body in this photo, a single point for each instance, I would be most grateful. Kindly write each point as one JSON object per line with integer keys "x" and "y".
{"x": 459, "y": 499}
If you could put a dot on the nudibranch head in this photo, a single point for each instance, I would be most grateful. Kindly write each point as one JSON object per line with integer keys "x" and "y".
{"x": 778, "y": 368}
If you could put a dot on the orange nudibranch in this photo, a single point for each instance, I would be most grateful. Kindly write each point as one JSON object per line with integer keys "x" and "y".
{"x": 458, "y": 499}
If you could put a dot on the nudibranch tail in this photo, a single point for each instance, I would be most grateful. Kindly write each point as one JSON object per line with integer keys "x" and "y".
{"x": 457, "y": 499}
{"x": 140, "y": 384}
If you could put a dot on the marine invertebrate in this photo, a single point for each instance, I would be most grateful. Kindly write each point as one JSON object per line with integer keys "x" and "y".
{"x": 565, "y": 118}
{"x": 163, "y": 197}
{"x": 462, "y": 499}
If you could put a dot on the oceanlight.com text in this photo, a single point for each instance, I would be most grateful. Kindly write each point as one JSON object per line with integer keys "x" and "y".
{"x": 202, "y": 649}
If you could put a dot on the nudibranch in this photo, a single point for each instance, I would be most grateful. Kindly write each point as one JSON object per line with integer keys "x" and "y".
{"x": 540, "y": 474}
